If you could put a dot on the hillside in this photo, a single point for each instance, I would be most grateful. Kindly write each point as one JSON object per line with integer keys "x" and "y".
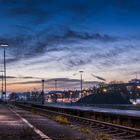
{"x": 110, "y": 98}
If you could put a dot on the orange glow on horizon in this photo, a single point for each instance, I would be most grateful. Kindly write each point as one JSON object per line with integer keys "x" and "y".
{"x": 22, "y": 87}
{"x": 27, "y": 87}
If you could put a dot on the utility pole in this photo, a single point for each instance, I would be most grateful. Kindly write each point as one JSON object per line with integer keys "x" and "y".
{"x": 136, "y": 77}
{"x": 136, "y": 90}
{"x": 5, "y": 89}
{"x": 81, "y": 83}
{"x": 2, "y": 85}
{"x": 55, "y": 85}
{"x": 43, "y": 99}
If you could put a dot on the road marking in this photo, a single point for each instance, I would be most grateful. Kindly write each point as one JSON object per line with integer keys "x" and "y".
{"x": 36, "y": 130}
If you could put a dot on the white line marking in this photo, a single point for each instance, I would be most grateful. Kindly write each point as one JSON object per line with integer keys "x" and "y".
{"x": 37, "y": 131}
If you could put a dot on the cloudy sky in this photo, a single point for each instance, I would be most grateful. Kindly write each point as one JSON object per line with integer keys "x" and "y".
{"x": 54, "y": 39}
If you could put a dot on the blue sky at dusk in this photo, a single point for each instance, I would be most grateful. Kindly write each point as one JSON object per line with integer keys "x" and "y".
{"x": 56, "y": 38}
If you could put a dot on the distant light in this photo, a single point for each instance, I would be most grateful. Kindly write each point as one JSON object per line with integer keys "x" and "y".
{"x": 104, "y": 90}
{"x": 138, "y": 87}
{"x": 134, "y": 103}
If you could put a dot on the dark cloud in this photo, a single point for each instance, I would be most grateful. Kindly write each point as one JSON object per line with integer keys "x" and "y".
{"x": 21, "y": 77}
{"x": 63, "y": 80}
{"x": 28, "y": 77}
{"x": 11, "y": 60}
{"x": 70, "y": 34}
{"x": 8, "y": 77}
{"x": 65, "y": 34}
{"x": 27, "y": 82}
{"x": 75, "y": 62}
{"x": 24, "y": 46}
{"x": 78, "y": 62}
{"x": 106, "y": 55}
{"x": 62, "y": 83}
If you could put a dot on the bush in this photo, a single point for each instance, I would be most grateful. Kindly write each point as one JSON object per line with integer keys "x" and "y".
{"x": 62, "y": 120}
{"x": 102, "y": 136}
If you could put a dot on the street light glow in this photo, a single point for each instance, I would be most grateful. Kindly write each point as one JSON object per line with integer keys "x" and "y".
{"x": 4, "y": 45}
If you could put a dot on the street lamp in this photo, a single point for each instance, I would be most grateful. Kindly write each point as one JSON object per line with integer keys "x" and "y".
{"x": 2, "y": 84}
{"x": 81, "y": 83}
{"x": 55, "y": 85}
{"x": 71, "y": 97}
{"x": 43, "y": 96}
{"x": 4, "y": 54}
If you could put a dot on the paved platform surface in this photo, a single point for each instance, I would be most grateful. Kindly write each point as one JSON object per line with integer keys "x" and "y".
{"x": 12, "y": 127}
{"x": 18, "y": 124}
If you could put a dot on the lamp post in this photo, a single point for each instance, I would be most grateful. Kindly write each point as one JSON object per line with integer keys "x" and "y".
{"x": 43, "y": 101}
{"x": 2, "y": 84}
{"x": 55, "y": 85}
{"x": 4, "y": 54}
{"x": 71, "y": 98}
{"x": 81, "y": 82}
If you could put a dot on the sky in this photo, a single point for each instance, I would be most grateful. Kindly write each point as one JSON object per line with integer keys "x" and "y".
{"x": 55, "y": 39}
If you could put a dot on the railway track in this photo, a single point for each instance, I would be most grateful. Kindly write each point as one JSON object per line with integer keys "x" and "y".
{"x": 118, "y": 132}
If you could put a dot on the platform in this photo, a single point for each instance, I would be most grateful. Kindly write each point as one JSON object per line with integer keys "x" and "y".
{"x": 18, "y": 124}
{"x": 131, "y": 113}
